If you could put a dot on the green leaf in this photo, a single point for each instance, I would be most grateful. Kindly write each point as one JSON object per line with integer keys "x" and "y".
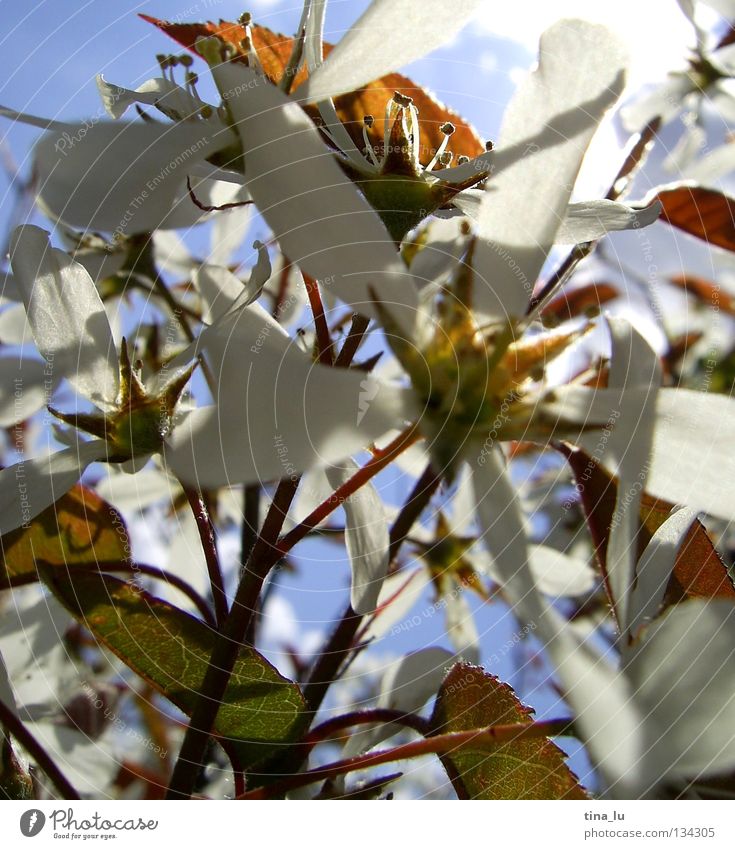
{"x": 470, "y": 698}
{"x": 261, "y": 710}
{"x": 79, "y": 528}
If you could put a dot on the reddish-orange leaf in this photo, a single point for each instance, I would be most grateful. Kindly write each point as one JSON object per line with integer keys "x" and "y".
{"x": 699, "y": 572}
{"x": 580, "y": 301}
{"x": 705, "y": 291}
{"x": 274, "y": 51}
{"x": 705, "y": 213}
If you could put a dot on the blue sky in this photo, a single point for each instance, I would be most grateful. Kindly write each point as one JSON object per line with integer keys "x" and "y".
{"x": 52, "y": 51}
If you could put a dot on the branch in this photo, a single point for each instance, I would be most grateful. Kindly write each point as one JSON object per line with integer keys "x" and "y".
{"x": 323, "y": 339}
{"x": 638, "y": 151}
{"x": 377, "y": 463}
{"x": 442, "y": 744}
{"x": 208, "y": 536}
{"x": 16, "y": 727}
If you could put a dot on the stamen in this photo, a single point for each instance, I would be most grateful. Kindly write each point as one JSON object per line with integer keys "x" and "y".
{"x": 415, "y": 135}
{"x": 402, "y": 99}
{"x": 390, "y": 106}
{"x": 448, "y": 128}
{"x": 367, "y": 123}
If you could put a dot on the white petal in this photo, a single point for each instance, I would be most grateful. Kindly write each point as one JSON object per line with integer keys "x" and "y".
{"x": 228, "y": 233}
{"x": 32, "y": 120}
{"x": 708, "y": 169}
{"x": 484, "y": 163}
{"x": 721, "y": 97}
{"x": 171, "y": 254}
{"x": 14, "y": 326}
{"x": 133, "y": 493}
{"x": 407, "y": 685}
{"x": 633, "y": 364}
{"x": 29, "y": 487}
{"x": 684, "y": 674}
{"x": 8, "y": 289}
{"x": 99, "y": 263}
{"x": 559, "y": 574}
{"x": 123, "y": 178}
{"x": 6, "y": 692}
{"x": 321, "y": 221}
{"x": 600, "y": 697}
{"x": 67, "y": 316}
{"x": 25, "y": 388}
{"x": 89, "y": 765}
{"x": 544, "y": 136}
{"x": 586, "y": 222}
{"x": 692, "y": 462}
{"x": 259, "y": 277}
{"x": 414, "y": 679}
{"x": 664, "y": 101}
{"x": 461, "y": 628}
{"x": 31, "y": 641}
{"x": 626, "y": 412}
{"x": 219, "y": 289}
{"x": 278, "y": 413}
{"x": 388, "y": 33}
{"x": 438, "y": 258}
{"x": 400, "y": 593}
{"x": 186, "y": 557}
{"x": 686, "y": 151}
{"x": 171, "y": 99}
{"x": 366, "y": 538}
{"x": 656, "y": 566}
{"x": 726, "y": 8}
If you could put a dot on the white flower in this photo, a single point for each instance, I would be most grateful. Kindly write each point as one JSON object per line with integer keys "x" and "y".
{"x": 73, "y": 335}
{"x": 125, "y": 178}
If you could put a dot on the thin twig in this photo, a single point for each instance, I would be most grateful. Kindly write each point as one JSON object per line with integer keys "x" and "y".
{"x": 208, "y": 537}
{"x": 16, "y": 727}
{"x": 639, "y": 148}
{"x": 323, "y": 339}
{"x": 331, "y": 727}
{"x": 377, "y": 463}
{"x": 442, "y": 744}
{"x": 123, "y": 567}
{"x": 414, "y": 506}
{"x": 353, "y": 341}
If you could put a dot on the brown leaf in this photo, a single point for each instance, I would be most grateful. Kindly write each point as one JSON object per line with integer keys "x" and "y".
{"x": 581, "y": 301}
{"x": 471, "y": 698}
{"x": 705, "y": 213}
{"x": 710, "y": 294}
{"x": 80, "y": 528}
{"x": 698, "y": 573}
{"x": 274, "y": 51}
